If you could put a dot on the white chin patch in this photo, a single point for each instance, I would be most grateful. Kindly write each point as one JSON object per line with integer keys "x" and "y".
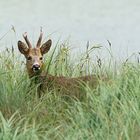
{"x": 36, "y": 69}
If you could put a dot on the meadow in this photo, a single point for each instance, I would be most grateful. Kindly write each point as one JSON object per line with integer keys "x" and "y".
{"x": 111, "y": 113}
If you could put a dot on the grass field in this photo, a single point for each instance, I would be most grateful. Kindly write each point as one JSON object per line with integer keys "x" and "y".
{"x": 112, "y": 113}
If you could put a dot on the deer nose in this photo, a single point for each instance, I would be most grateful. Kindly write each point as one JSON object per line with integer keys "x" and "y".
{"x": 36, "y": 67}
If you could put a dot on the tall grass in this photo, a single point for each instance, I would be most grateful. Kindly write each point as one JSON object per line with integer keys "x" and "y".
{"x": 111, "y": 114}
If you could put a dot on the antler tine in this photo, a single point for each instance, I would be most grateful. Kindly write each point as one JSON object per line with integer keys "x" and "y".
{"x": 40, "y": 38}
{"x": 27, "y": 40}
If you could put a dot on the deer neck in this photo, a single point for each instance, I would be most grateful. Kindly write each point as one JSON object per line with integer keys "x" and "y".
{"x": 32, "y": 74}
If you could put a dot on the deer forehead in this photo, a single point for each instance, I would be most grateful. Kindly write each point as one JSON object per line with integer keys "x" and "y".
{"x": 35, "y": 52}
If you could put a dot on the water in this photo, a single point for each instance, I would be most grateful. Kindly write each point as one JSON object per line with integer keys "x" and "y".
{"x": 77, "y": 20}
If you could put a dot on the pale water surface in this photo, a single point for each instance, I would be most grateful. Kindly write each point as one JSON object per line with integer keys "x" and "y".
{"x": 77, "y": 20}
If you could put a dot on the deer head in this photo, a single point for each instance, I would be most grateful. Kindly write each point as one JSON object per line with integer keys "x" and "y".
{"x": 34, "y": 55}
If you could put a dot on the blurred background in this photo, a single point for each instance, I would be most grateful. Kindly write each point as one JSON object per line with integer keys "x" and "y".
{"x": 78, "y": 21}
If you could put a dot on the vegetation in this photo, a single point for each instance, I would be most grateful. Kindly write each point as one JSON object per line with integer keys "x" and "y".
{"x": 112, "y": 113}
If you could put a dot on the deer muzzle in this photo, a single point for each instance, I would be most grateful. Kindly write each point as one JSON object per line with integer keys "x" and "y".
{"x": 36, "y": 67}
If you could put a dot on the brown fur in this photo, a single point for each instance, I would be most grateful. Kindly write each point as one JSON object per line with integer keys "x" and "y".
{"x": 66, "y": 85}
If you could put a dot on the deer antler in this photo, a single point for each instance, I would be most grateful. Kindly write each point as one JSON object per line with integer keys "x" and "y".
{"x": 40, "y": 38}
{"x": 27, "y": 40}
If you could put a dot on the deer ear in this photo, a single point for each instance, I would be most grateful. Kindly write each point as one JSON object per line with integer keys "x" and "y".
{"x": 46, "y": 47}
{"x": 22, "y": 47}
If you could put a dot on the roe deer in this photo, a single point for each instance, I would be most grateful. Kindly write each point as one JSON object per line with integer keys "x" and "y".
{"x": 34, "y": 64}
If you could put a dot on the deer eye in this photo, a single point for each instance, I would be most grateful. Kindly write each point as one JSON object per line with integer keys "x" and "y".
{"x": 29, "y": 58}
{"x": 41, "y": 58}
